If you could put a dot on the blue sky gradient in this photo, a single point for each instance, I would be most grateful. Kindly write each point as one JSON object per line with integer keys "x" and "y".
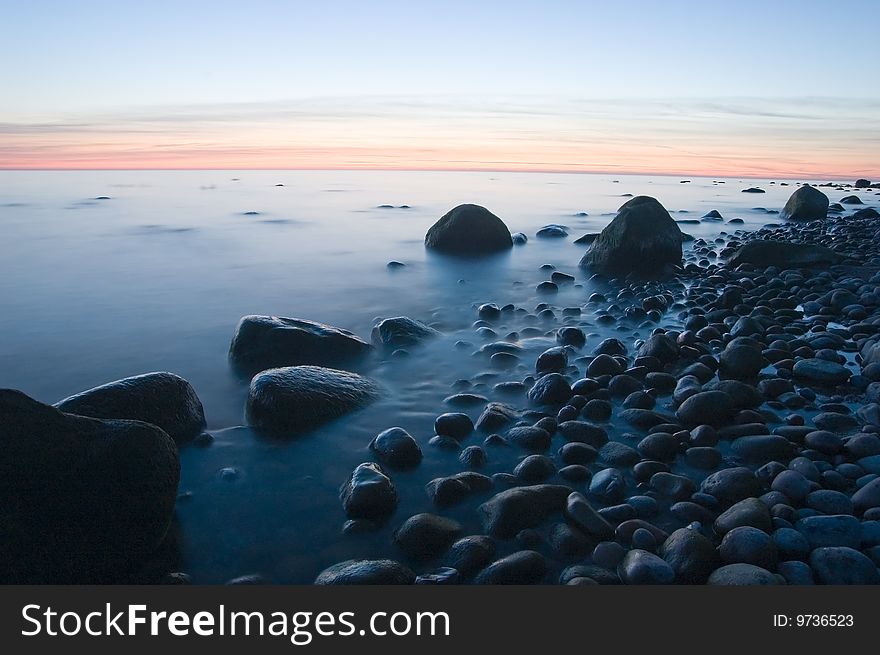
{"x": 551, "y": 85}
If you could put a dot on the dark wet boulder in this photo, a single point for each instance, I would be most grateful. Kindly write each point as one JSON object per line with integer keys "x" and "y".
{"x": 642, "y": 238}
{"x": 748, "y": 512}
{"x": 661, "y": 347}
{"x": 263, "y": 342}
{"x": 806, "y": 204}
{"x": 731, "y": 485}
{"x": 516, "y": 509}
{"x": 401, "y": 332}
{"x": 691, "y": 556}
{"x": 82, "y": 500}
{"x": 640, "y": 567}
{"x": 396, "y": 448}
{"x": 163, "y": 399}
{"x": 583, "y": 516}
{"x": 761, "y": 448}
{"x": 784, "y": 254}
{"x": 706, "y": 408}
{"x": 471, "y": 554}
{"x": 840, "y": 565}
{"x": 821, "y": 372}
{"x": 366, "y": 572}
{"x": 529, "y": 437}
{"x": 523, "y": 567}
{"x": 469, "y": 230}
{"x": 425, "y": 536}
{"x": 495, "y": 416}
{"x": 296, "y": 399}
{"x": 368, "y": 493}
{"x": 550, "y": 389}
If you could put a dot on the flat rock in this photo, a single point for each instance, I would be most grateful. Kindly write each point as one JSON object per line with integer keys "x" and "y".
{"x": 296, "y": 399}
{"x": 263, "y": 342}
{"x": 366, "y": 572}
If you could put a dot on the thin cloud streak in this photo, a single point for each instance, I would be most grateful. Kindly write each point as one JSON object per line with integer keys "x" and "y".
{"x": 795, "y": 137}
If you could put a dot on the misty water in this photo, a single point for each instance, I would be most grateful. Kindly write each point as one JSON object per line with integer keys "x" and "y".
{"x": 105, "y": 275}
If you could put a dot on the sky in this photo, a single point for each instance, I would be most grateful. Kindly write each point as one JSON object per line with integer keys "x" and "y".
{"x": 746, "y": 88}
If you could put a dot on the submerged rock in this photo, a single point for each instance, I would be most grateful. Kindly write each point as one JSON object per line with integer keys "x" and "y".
{"x": 368, "y": 493}
{"x": 366, "y": 571}
{"x": 82, "y": 500}
{"x": 163, "y": 399}
{"x": 642, "y": 238}
{"x": 263, "y": 342}
{"x": 424, "y": 536}
{"x": 469, "y": 230}
{"x": 401, "y": 332}
{"x": 784, "y": 254}
{"x": 296, "y": 399}
{"x": 516, "y": 509}
{"x": 523, "y": 567}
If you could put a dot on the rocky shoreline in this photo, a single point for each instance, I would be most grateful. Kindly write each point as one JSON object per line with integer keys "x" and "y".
{"x": 740, "y": 447}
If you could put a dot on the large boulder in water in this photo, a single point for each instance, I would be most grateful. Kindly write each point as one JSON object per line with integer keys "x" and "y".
{"x": 296, "y": 399}
{"x": 784, "y": 254}
{"x": 82, "y": 500}
{"x": 642, "y": 238}
{"x": 469, "y": 230}
{"x": 263, "y": 342}
{"x": 163, "y": 399}
{"x": 806, "y": 204}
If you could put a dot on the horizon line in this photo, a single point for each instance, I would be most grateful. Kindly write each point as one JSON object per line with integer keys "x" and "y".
{"x": 750, "y": 176}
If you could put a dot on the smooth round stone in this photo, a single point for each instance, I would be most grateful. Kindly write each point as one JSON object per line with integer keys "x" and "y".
{"x": 690, "y": 555}
{"x": 829, "y": 502}
{"x": 444, "y": 443}
{"x": 806, "y": 468}
{"x": 826, "y": 443}
{"x": 749, "y": 512}
{"x": 368, "y": 493}
{"x": 706, "y": 408}
{"x": 597, "y": 410}
{"x": 843, "y": 566}
{"x": 366, "y": 572}
{"x": 748, "y": 545}
{"x": 575, "y": 473}
{"x": 688, "y": 512}
{"x": 453, "y": 424}
{"x": 608, "y": 554}
{"x": 742, "y": 575}
{"x": 470, "y": 554}
{"x": 523, "y": 567}
{"x": 568, "y": 543}
{"x": 793, "y": 485}
{"x": 645, "y": 506}
{"x": 703, "y": 457}
{"x": 583, "y": 432}
{"x": 473, "y": 457}
{"x": 553, "y": 360}
{"x": 425, "y": 536}
{"x": 608, "y": 485}
{"x": 641, "y": 567}
{"x": 396, "y": 448}
{"x": 583, "y": 516}
{"x": 643, "y": 539}
{"x": 441, "y": 576}
{"x": 577, "y": 453}
{"x": 796, "y": 573}
{"x": 791, "y": 544}
{"x": 732, "y": 485}
{"x": 659, "y": 446}
{"x": 445, "y": 492}
{"x": 535, "y": 468}
{"x": 644, "y": 470}
{"x": 550, "y": 389}
{"x": 762, "y": 448}
{"x": 833, "y": 530}
{"x": 821, "y": 372}
{"x": 530, "y": 438}
{"x": 619, "y": 454}
{"x": 618, "y": 513}
{"x": 677, "y": 487}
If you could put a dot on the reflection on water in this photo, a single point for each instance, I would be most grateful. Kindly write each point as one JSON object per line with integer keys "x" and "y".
{"x": 157, "y": 276}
